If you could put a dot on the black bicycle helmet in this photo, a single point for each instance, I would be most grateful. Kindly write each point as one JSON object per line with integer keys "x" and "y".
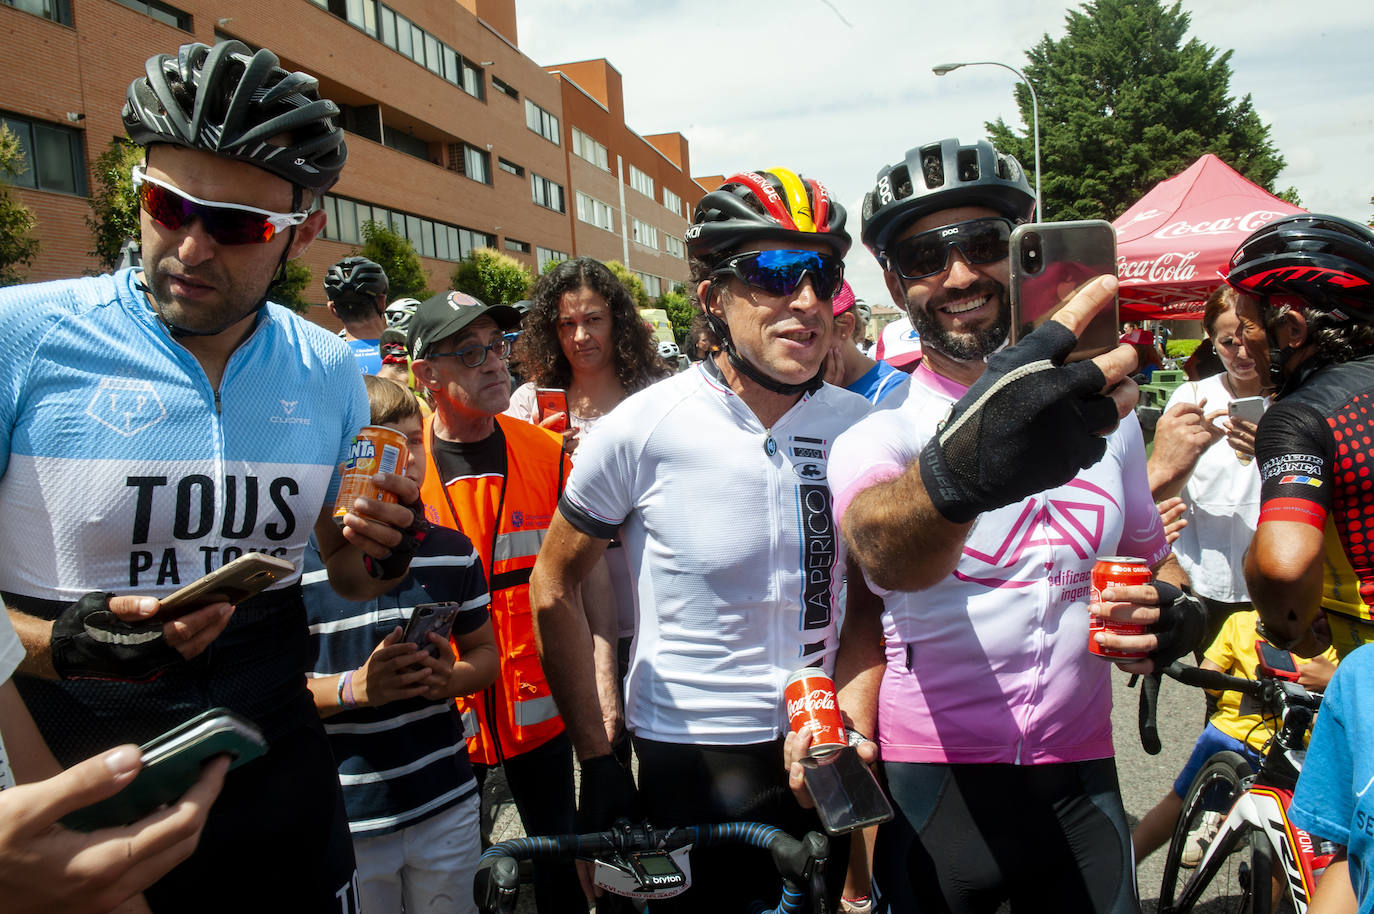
{"x": 237, "y": 103}
{"x": 355, "y": 278}
{"x": 940, "y": 176}
{"x": 775, "y": 205}
{"x": 1326, "y": 260}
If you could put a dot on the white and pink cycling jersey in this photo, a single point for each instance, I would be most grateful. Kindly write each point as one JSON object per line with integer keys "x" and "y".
{"x": 992, "y": 664}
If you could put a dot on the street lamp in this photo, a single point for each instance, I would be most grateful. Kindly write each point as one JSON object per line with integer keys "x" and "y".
{"x": 944, "y": 68}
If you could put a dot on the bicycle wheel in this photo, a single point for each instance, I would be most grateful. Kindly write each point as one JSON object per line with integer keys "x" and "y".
{"x": 1213, "y": 791}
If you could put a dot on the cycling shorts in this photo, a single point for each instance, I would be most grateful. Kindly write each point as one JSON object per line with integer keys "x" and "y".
{"x": 967, "y": 838}
{"x": 684, "y": 784}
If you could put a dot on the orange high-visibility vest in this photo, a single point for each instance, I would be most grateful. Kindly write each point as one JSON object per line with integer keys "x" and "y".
{"x": 506, "y": 517}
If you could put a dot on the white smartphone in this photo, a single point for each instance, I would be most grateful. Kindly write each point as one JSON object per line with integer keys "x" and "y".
{"x": 1251, "y": 409}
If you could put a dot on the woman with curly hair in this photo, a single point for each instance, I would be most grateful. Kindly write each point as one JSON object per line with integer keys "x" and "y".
{"x": 583, "y": 335}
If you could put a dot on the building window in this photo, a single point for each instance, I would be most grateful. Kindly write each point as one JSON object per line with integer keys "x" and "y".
{"x": 672, "y": 201}
{"x": 360, "y": 13}
{"x": 546, "y": 256}
{"x": 52, "y": 156}
{"x": 504, "y": 87}
{"x": 645, "y": 234}
{"x": 641, "y": 182}
{"x": 547, "y": 193}
{"x": 510, "y": 167}
{"x": 652, "y": 284}
{"x": 430, "y": 238}
{"x": 673, "y": 245}
{"x": 470, "y": 161}
{"x": 404, "y": 142}
{"x": 519, "y": 247}
{"x": 162, "y": 12}
{"x": 56, "y": 10}
{"x": 594, "y": 212}
{"x": 541, "y": 122}
{"x": 587, "y": 148}
{"x": 405, "y": 37}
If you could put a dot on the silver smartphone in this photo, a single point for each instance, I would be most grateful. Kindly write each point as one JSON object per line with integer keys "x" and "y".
{"x": 1050, "y": 261}
{"x": 1251, "y": 409}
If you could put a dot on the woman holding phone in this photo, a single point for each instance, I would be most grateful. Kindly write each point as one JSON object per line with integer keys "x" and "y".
{"x": 1202, "y": 464}
{"x": 584, "y": 337}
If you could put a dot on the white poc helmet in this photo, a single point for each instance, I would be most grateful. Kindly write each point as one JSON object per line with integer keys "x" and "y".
{"x": 668, "y": 350}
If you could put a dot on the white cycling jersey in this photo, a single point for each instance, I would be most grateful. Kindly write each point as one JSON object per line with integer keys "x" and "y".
{"x": 732, "y": 545}
{"x": 992, "y": 664}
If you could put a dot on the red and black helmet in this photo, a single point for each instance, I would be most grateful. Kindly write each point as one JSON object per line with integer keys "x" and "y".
{"x": 1326, "y": 260}
{"x": 773, "y": 205}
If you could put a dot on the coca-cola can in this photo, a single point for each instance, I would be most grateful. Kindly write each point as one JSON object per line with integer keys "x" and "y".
{"x": 811, "y": 701}
{"x": 1115, "y": 571}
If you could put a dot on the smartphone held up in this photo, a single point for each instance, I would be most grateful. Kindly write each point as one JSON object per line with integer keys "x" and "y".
{"x": 1049, "y": 262}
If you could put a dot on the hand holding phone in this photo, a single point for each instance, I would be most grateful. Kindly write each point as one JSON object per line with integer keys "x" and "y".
{"x": 552, "y": 401}
{"x": 846, "y": 794}
{"x": 426, "y": 618}
{"x": 171, "y": 765}
{"x": 231, "y": 583}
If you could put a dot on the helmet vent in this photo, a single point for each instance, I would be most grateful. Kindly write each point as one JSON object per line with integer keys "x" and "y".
{"x": 968, "y": 164}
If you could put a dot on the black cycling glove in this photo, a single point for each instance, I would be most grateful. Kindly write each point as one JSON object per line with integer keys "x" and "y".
{"x": 608, "y": 793}
{"x": 1181, "y": 625}
{"x": 1027, "y": 425}
{"x": 396, "y": 563}
{"x": 90, "y": 642}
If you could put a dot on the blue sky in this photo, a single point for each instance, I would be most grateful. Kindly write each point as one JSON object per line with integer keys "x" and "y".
{"x": 838, "y": 88}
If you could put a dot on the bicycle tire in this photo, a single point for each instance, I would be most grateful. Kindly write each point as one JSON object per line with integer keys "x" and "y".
{"x": 1215, "y": 788}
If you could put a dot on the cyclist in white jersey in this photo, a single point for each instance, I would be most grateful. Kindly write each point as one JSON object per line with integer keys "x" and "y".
{"x": 715, "y": 480}
{"x": 157, "y": 423}
{"x": 976, "y": 517}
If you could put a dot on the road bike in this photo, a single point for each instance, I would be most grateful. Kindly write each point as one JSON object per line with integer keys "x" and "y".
{"x": 1258, "y": 860}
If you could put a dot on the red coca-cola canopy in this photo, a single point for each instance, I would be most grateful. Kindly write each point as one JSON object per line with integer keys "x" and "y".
{"x": 1173, "y": 245}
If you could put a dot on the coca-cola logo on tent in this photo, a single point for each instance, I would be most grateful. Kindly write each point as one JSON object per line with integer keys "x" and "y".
{"x": 1239, "y": 224}
{"x": 1171, "y": 266}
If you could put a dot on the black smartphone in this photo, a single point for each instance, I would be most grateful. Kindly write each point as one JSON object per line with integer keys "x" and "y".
{"x": 230, "y": 583}
{"x": 846, "y": 793}
{"x": 171, "y": 766}
{"x": 1050, "y": 261}
{"x": 426, "y": 618}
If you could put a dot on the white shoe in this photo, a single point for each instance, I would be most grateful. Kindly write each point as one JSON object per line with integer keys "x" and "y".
{"x": 1200, "y": 838}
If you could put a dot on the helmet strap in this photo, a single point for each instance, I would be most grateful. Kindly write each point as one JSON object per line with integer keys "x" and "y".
{"x": 738, "y": 362}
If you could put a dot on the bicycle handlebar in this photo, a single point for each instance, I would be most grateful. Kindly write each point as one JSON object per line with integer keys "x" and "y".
{"x": 801, "y": 864}
{"x": 1266, "y": 689}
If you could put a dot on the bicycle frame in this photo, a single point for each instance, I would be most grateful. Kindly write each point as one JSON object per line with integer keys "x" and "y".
{"x": 1262, "y": 813}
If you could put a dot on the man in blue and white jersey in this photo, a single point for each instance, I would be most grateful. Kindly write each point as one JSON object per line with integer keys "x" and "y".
{"x": 160, "y": 422}
{"x": 715, "y": 480}
{"x": 357, "y": 290}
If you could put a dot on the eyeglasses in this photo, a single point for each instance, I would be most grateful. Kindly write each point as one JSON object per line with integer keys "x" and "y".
{"x": 780, "y": 272}
{"x": 227, "y": 223}
{"x": 475, "y": 355}
{"x": 979, "y": 240}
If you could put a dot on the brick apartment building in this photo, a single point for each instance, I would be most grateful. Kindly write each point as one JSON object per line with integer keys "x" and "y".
{"x": 455, "y": 137}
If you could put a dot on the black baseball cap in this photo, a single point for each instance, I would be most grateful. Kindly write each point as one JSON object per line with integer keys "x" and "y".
{"x": 443, "y": 315}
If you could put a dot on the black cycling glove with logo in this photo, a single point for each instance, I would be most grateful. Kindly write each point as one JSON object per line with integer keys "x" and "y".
{"x": 608, "y": 793}
{"x": 1027, "y": 425}
{"x": 90, "y": 642}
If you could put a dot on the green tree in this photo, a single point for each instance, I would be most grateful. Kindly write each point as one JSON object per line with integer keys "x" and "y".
{"x": 17, "y": 248}
{"x": 492, "y": 277}
{"x": 114, "y": 206}
{"x": 1125, "y": 102}
{"x": 631, "y": 282}
{"x": 290, "y": 290}
{"x": 680, "y": 311}
{"x": 396, "y": 255}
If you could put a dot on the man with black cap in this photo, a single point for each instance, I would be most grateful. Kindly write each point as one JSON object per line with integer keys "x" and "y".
{"x": 498, "y": 479}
